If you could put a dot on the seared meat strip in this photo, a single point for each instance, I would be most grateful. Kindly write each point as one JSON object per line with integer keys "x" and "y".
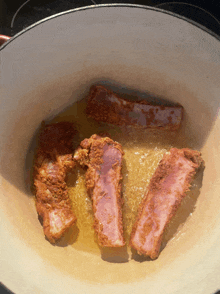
{"x": 54, "y": 159}
{"x": 166, "y": 190}
{"x": 103, "y": 105}
{"x": 103, "y": 157}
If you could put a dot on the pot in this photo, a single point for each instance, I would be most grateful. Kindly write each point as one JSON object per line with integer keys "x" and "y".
{"x": 51, "y": 65}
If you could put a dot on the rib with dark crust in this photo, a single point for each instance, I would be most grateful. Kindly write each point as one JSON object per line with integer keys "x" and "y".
{"x": 103, "y": 105}
{"x": 103, "y": 157}
{"x": 166, "y": 190}
{"x": 54, "y": 159}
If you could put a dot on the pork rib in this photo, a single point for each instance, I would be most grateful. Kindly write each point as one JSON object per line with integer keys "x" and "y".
{"x": 103, "y": 157}
{"x": 54, "y": 159}
{"x": 103, "y": 105}
{"x": 166, "y": 190}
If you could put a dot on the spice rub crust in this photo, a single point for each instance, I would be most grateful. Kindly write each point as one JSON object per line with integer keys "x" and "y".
{"x": 54, "y": 159}
{"x": 103, "y": 157}
{"x": 105, "y": 106}
{"x": 167, "y": 188}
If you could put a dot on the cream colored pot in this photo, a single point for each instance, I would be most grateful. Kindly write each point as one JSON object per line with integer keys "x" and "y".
{"x": 52, "y": 64}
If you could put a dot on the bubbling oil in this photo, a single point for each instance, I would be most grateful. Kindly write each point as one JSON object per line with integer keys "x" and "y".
{"x": 143, "y": 149}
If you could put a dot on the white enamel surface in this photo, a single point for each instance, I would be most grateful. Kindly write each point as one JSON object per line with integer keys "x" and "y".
{"x": 53, "y": 64}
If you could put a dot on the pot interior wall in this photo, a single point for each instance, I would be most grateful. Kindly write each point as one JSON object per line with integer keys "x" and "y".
{"x": 51, "y": 66}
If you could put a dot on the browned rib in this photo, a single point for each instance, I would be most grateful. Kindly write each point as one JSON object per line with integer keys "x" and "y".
{"x": 53, "y": 160}
{"x": 103, "y": 105}
{"x": 103, "y": 157}
{"x": 166, "y": 190}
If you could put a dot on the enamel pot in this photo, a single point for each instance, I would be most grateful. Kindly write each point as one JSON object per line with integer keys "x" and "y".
{"x": 49, "y": 66}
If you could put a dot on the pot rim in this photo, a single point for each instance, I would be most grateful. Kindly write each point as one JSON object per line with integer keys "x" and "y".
{"x": 97, "y": 6}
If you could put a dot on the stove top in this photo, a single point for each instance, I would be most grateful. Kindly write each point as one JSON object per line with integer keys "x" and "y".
{"x": 17, "y": 15}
